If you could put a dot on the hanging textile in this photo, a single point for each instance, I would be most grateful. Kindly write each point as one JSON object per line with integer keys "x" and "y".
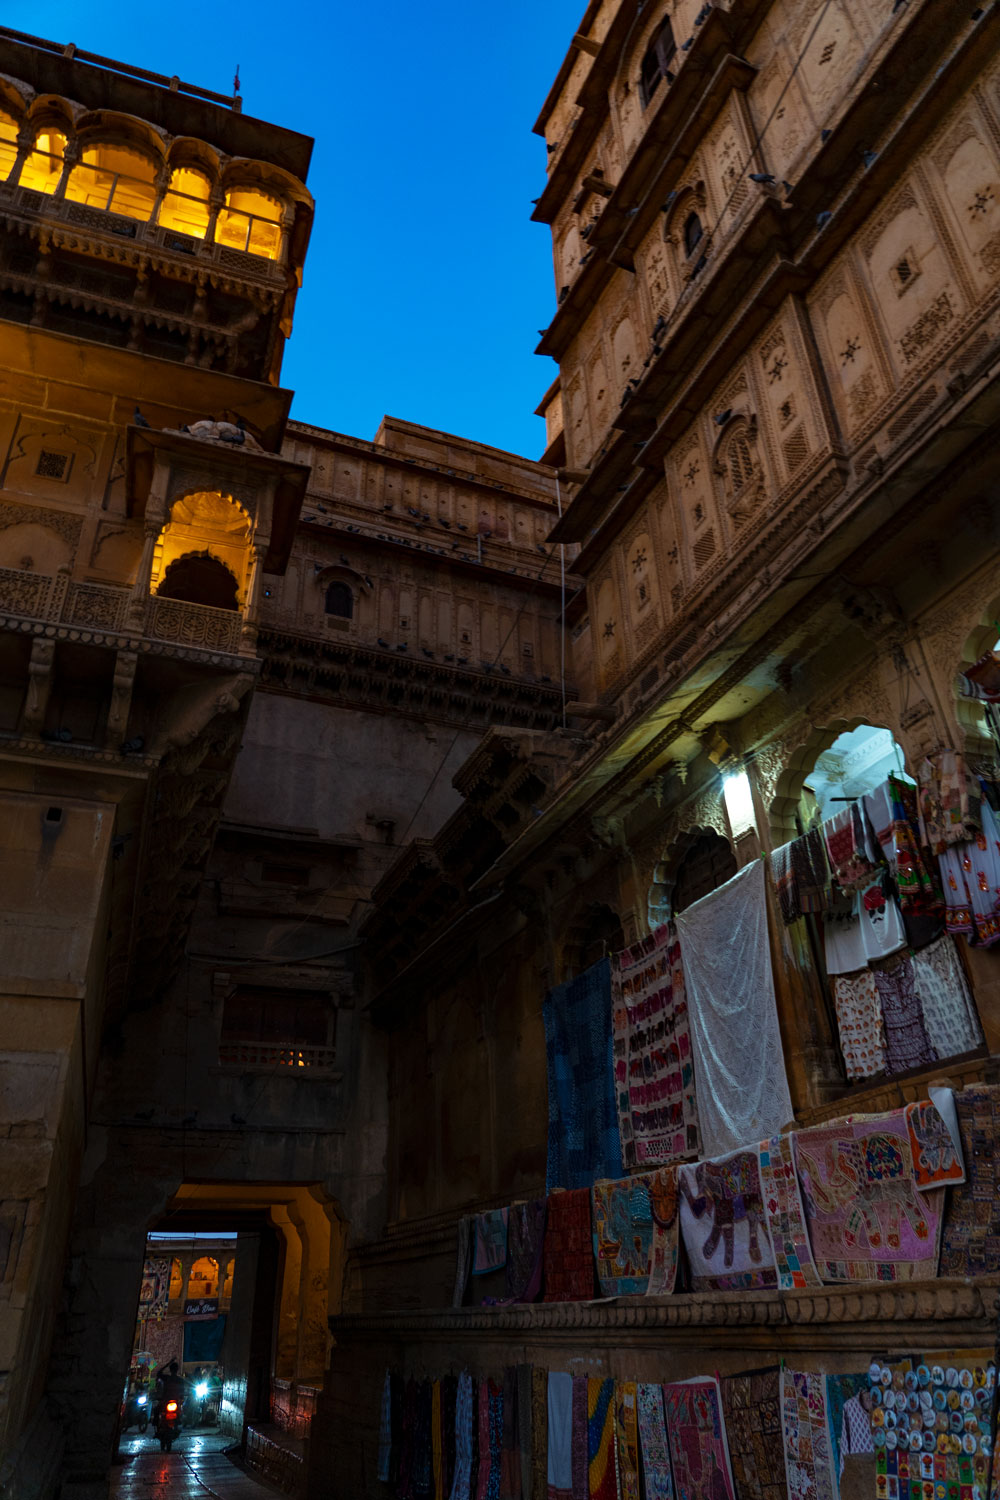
{"x": 970, "y": 872}
{"x": 867, "y": 1222}
{"x": 539, "y": 1433}
{"x": 935, "y": 1140}
{"x": 895, "y": 816}
{"x": 510, "y": 1451}
{"x": 871, "y": 929}
{"x": 653, "y": 1445}
{"x": 786, "y": 1216}
{"x": 808, "y": 1451}
{"x": 495, "y": 1400}
{"x": 802, "y": 877}
{"x": 627, "y": 1439}
{"x": 724, "y": 1224}
{"x": 398, "y": 1403}
{"x": 942, "y": 990}
{"x": 839, "y": 1390}
{"x": 583, "y": 1140}
{"x": 407, "y": 1442}
{"x": 384, "y": 1470}
{"x": 851, "y": 855}
{"x": 154, "y": 1293}
{"x": 665, "y": 1246}
{"x": 568, "y": 1249}
{"x": 437, "y": 1442}
{"x": 752, "y": 1407}
{"x": 483, "y": 1437}
{"x": 970, "y": 1240}
{"x": 464, "y": 1418}
{"x": 449, "y": 1398}
{"x": 581, "y": 1438}
{"x": 859, "y": 1022}
{"x": 525, "y": 1430}
{"x": 489, "y": 1252}
{"x": 525, "y": 1238}
{"x": 422, "y": 1482}
{"x": 463, "y": 1259}
{"x": 654, "y": 1070}
{"x": 855, "y": 1428}
{"x": 739, "y": 1064}
{"x": 699, "y": 1457}
{"x": 906, "y": 1044}
{"x": 602, "y": 1467}
{"x": 560, "y": 1435}
{"x": 623, "y": 1235}
{"x": 949, "y": 801}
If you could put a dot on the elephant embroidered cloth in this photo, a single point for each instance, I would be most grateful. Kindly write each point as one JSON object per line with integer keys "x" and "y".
{"x": 602, "y": 1451}
{"x": 752, "y": 1407}
{"x": 653, "y": 1446}
{"x": 786, "y": 1216}
{"x": 489, "y": 1251}
{"x": 654, "y": 1069}
{"x": 568, "y": 1248}
{"x": 935, "y": 1140}
{"x": 665, "y": 1248}
{"x": 627, "y": 1439}
{"x": 583, "y": 1139}
{"x": 738, "y": 1058}
{"x": 867, "y": 1221}
{"x": 970, "y": 1242}
{"x": 699, "y": 1455}
{"x": 805, "y": 1424}
{"x": 623, "y": 1235}
{"x": 724, "y": 1223}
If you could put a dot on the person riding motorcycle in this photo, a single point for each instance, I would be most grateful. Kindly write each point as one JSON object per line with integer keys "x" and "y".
{"x": 170, "y": 1386}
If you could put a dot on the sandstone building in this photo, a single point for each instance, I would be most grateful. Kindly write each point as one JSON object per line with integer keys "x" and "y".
{"x": 299, "y": 822}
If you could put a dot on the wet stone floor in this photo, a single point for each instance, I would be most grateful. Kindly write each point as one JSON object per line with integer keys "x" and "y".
{"x": 196, "y": 1468}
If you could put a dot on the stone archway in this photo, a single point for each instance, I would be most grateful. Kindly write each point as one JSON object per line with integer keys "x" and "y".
{"x": 782, "y": 781}
{"x": 665, "y": 875}
{"x": 595, "y": 931}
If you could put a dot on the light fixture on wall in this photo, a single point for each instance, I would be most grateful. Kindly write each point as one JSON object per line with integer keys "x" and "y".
{"x": 739, "y": 803}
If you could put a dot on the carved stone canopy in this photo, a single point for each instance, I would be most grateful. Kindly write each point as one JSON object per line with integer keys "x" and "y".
{"x": 167, "y": 464}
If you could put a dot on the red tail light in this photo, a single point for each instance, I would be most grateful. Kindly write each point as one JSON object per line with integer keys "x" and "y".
{"x": 171, "y": 1406}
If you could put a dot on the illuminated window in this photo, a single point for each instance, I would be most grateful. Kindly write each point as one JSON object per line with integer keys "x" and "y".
{"x": 204, "y": 1278}
{"x": 185, "y": 203}
{"x": 114, "y": 178}
{"x": 8, "y": 144}
{"x": 176, "y": 1279}
{"x": 739, "y": 803}
{"x": 250, "y": 221}
{"x": 43, "y": 168}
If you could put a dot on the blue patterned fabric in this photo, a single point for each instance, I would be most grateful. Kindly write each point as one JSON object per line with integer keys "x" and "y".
{"x": 584, "y": 1143}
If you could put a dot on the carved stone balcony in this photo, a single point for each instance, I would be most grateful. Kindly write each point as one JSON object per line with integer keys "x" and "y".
{"x": 195, "y": 625}
{"x": 275, "y": 1057}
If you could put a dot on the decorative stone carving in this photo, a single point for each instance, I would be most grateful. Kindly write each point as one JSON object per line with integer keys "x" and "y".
{"x": 96, "y": 604}
{"x": 194, "y": 624}
{"x": 24, "y": 593}
{"x": 64, "y": 525}
{"x": 43, "y": 654}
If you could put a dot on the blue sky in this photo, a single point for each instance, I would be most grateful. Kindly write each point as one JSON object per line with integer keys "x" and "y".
{"x": 425, "y": 282}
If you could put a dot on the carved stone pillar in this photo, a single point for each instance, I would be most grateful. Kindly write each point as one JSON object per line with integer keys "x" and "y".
{"x": 25, "y": 145}
{"x": 70, "y": 159}
{"x": 248, "y": 637}
{"x": 43, "y": 654}
{"x": 121, "y": 697}
{"x": 136, "y": 614}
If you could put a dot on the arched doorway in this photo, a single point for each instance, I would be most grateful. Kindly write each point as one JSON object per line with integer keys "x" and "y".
{"x": 708, "y": 863}
{"x": 199, "y": 578}
{"x": 596, "y": 933}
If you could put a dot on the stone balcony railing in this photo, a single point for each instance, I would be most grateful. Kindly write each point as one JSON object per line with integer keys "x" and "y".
{"x": 275, "y": 1057}
{"x": 101, "y": 607}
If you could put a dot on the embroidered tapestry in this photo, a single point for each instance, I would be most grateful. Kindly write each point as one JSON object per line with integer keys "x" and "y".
{"x": 724, "y": 1224}
{"x": 935, "y": 1145}
{"x": 489, "y": 1251}
{"x": 654, "y": 1070}
{"x": 583, "y": 1141}
{"x": 970, "y": 1241}
{"x": 699, "y": 1456}
{"x": 154, "y": 1292}
{"x": 602, "y": 1458}
{"x": 653, "y": 1444}
{"x": 752, "y": 1407}
{"x": 568, "y": 1248}
{"x": 786, "y": 1216}
{"x": 525, "y": 1238}
{"x": 867, "y": 1222}
{"x": 805, "y": 1424}
{"x": 627, "y": 1440}
{"x": 738, "y": 1057}
{"x": 623, "y": 1235}
{"x": 665, "y": 1248}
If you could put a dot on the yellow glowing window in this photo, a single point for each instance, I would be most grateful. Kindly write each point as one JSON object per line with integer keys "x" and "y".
{"x": 250, "y": 221}
{"x": 8, "y": 144}
{"x": 43, "y": 168}
{"x": 113, "y": 178}
{"x": 185, "y": 203}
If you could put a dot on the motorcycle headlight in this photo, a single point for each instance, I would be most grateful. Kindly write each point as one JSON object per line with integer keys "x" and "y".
{"x": 141, "y": 1400}
{"x": 201, "y": 1391}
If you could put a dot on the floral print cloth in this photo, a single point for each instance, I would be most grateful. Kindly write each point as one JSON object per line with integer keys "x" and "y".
{"x": 653, "y": 1444}
{"x": 970, "y": 874}
{"x": 805, "y": 1427}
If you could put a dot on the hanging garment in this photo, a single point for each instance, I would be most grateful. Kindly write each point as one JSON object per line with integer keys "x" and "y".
{"x": 654, "y": 1069}
{"x": 802, "y": 878}
{"x": 856, "y": 1428}
{"x": 510, "y": 1452}
{"x": 859, "y": 1021}
{"x": 843, "y": 940}
{"x": 653, "y": 1444}
{"x": 850, "y": 849}
{"x": 839, "y": 1390}
{"x": 483, "y": 1435}
{"x": 970, "y": 1240}
{"x": 808, "y": 1451}
{"x": 583, "y": 1138}
{"x": 407, "y": 1441}
{"x": 739, "y": 1063}
{"x": 422, "y": 1482}
{"x": 867, "y": 1221}
{"x": 970, "y": 873}
{"x": 786, "y": 1215}
{"x": 568, "y": 1250}
{"x": 525, "y": 1239}
{"x": 627, "y": 1440}
{"x": 525, "y": 1430}
{"x": 437, "y": 1442}
{"x": 540, "y": 1432}
{"x": 906, "y": 1044}
{"x": 699, "y": 1456}
{"x": 942, "y": 990}
{"x": 724, "y": 1224}
{"x": 754, "y": 1436}
{"x": 463, "y": 1259}
{"x": 895, "y": 815}
{"x": 384, "y": 1470}
{"x": 449, "y": 1424}
{"x": 664, "y": 1250}
{"x": 464, "y": 1419}
{"x": 489, "y": 1252}
{"x": 623, "y": 1235}
{"x": 581, "y": 1439}
{"x": 949, "y": 800}
{"x": 602, "y": 1458}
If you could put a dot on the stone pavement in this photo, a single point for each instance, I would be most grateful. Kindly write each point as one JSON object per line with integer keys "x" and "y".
{"x": 195, "y": 1469}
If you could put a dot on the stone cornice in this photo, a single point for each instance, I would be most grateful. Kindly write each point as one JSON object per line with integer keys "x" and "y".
{"x": 927, "y": 1310}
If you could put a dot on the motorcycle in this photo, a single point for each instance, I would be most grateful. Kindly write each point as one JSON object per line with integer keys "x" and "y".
{"x": 168, "y": 1423}
{"x": 137, "y": 1411}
